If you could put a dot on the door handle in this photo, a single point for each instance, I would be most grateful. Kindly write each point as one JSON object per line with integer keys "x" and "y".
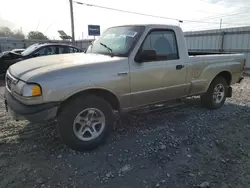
{"x": 179, "y": 67}
{"x": 122, "y": 73}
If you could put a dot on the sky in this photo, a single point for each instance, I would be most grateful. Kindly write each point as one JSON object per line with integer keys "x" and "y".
{"x": 49, "y": 16}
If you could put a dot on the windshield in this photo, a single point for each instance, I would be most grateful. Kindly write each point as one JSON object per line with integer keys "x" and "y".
{"x": 119, "y": 39}
{"x": 30, "y": 49}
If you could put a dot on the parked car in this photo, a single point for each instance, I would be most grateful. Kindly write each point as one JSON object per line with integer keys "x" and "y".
{"x": 8, "y": 58}
{"x": 18, "y": 51}
{"x": 127, "y": 68}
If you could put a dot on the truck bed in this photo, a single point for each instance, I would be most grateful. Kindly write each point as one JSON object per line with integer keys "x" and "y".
{"x": 196, "y": 53}
{"x": 214, "y": 57}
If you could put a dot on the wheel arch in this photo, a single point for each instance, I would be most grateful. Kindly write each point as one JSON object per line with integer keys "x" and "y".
{"x": 225, "y": 74}
{"x": 105, "y": 94}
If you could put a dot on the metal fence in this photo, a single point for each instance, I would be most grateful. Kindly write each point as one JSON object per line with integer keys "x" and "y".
{"x": 235, "y": 40}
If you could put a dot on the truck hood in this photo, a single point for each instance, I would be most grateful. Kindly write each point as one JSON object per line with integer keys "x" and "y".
{"x": 26, "y": 69}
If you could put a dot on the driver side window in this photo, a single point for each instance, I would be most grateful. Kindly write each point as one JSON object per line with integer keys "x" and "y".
{"x": 164, "y": 43}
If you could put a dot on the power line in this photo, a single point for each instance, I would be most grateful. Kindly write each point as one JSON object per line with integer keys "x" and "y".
{"x": 125, "y": 11}
{"x": 225, "y": 15}
{"x": 196, "y": 28}
{"x": 240, "y": 10}
{"x": 141, "y": 14}
{"x": 236, "y": 24}
{"x": 244, "y": 21}
{"x": 155, "y": 16}
{"x": 225, "y": 5}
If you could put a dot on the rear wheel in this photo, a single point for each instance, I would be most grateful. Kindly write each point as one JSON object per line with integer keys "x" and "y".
{"x": 216, "y": 94}
{"x": 84, "y": 123}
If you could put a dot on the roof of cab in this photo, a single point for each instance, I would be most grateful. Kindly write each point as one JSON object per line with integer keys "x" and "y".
{"x": 149, "y": 25}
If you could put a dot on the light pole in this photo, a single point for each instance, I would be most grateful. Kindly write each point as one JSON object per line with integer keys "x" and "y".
{"x": 220, "y": 23}
{"x": 72, "y": 22}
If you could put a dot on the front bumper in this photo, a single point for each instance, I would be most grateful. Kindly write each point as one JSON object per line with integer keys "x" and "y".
{"x": 32, "y": 113}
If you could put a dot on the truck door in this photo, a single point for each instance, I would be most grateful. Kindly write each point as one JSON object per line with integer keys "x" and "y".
{"x": 163, "y": 78}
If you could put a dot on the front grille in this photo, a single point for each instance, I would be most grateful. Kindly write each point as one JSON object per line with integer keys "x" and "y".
{"x": 10, "y": 81}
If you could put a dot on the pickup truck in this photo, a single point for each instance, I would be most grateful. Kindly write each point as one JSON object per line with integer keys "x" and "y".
{"x": 127, "y": 68}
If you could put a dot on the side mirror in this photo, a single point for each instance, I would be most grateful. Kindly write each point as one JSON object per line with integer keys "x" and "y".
{"x": 146, "y": 55}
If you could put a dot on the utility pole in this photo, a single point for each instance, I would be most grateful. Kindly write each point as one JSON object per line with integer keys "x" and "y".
{"x": 220, "y": 23}
{"x": 72, "y": 22}
{"x": 38, "y": 25}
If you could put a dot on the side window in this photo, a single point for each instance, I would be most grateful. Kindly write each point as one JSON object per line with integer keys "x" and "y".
{"x": 67, "y": 49}
{"x": 164, "y": 43}
{"x": 73, "y": 50}
{"x": 49, "y": 50}
{"x": 63, "y": 49}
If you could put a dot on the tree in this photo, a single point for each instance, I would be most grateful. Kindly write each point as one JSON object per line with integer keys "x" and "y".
{"x": 6, "y": 32}
{"x": 19, "y": 34}
{"x": 37, "y": 35}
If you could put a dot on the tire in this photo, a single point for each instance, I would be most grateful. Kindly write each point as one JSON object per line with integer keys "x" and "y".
{"x": 208, "y": 99}
{"x": 89, "y": 106}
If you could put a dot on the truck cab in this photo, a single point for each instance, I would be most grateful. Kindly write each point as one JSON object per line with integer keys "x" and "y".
{"x": 162, "y": 58}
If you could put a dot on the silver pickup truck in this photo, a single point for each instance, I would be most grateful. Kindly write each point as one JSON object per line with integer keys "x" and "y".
{"x": 127, "y": 68}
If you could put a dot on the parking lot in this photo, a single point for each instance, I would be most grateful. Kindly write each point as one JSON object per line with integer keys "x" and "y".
{"x": 184, "y": 147}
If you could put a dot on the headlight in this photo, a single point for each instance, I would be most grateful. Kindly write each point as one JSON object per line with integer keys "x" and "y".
{"x": 18, "y": 87}
{"x": 31, "y": 90}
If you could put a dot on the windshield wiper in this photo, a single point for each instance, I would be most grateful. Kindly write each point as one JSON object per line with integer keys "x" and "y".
{"x": 109, "y": 49}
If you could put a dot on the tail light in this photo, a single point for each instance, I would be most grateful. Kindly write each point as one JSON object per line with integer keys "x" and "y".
{"x": 244, "y": 65}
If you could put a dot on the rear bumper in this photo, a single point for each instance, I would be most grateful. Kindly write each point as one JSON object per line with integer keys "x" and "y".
{"x": 32, "y": 113}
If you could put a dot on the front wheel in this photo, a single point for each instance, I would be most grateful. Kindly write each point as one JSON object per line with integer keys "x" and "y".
{"x": 85, "y": 122}
{"x": 216, "y": 94}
